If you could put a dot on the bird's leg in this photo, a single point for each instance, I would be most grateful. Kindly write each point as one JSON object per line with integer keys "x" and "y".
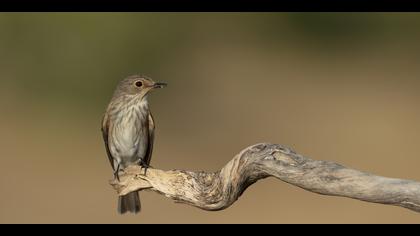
{"x": 116, "y": 176}
{"x": 144, "y": 165}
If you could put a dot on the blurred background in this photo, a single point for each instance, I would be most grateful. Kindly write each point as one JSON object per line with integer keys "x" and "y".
{"x": 340, "y": 87}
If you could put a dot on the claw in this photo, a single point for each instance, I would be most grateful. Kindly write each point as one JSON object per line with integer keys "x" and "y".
{"x": 116, "y": 176}
{"x": 144, "y": 165}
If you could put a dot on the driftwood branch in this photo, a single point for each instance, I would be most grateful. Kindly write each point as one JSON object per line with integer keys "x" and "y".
{"x": 218, "y": 190}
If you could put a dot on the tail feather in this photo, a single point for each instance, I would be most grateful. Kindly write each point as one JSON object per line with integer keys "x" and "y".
{"x": 129, "y": 203}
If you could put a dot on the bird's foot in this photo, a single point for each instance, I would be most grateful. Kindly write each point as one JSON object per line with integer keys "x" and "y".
{"x": 117, "y": 172}
{"x": 116, "y": 176}
{"x": 145, "y": 166}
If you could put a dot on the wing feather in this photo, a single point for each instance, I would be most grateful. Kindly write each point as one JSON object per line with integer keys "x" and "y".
{"x": 151, "y": 139}
{"x": 105, "y": 131}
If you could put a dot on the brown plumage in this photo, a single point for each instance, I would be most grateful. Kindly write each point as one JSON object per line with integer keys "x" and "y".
{"x": 128, "y": 131}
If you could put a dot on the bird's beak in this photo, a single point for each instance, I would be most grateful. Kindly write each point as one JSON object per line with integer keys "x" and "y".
{"x": 159, "y": 85}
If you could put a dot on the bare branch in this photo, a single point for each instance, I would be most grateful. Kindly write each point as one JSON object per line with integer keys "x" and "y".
{"x": 219, "y": 190}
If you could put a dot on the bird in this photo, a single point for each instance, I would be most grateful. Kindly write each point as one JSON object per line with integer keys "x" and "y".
{"x": 128, "y": 131}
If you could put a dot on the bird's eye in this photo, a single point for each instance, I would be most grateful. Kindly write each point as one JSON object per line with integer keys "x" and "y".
{"x": 139, "y": 83}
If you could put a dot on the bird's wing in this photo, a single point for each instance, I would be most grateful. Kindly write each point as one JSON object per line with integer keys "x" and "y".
{"x": 151, "y": 132}
{"x": 105, "y": 130}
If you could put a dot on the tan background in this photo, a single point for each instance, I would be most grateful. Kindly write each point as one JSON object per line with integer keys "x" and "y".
{"x": 340, "y": 87}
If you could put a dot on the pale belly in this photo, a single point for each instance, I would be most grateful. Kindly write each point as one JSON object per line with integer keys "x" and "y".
{"x": 129, "y": 141}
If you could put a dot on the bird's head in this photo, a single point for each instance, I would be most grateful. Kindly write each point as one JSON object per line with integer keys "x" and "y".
{"x": 138, "y": 86}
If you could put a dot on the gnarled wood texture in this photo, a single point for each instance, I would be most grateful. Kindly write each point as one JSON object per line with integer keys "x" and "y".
{"x": 218, "y": 190}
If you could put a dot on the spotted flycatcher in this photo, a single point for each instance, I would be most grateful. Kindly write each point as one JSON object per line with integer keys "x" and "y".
{"x": 128, "y": 131}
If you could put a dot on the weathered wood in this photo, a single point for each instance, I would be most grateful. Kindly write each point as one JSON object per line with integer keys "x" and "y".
{"x": 218, "y": 190}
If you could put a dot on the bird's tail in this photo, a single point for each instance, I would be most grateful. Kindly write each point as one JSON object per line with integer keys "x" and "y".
{"x": 129, "y": 203}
